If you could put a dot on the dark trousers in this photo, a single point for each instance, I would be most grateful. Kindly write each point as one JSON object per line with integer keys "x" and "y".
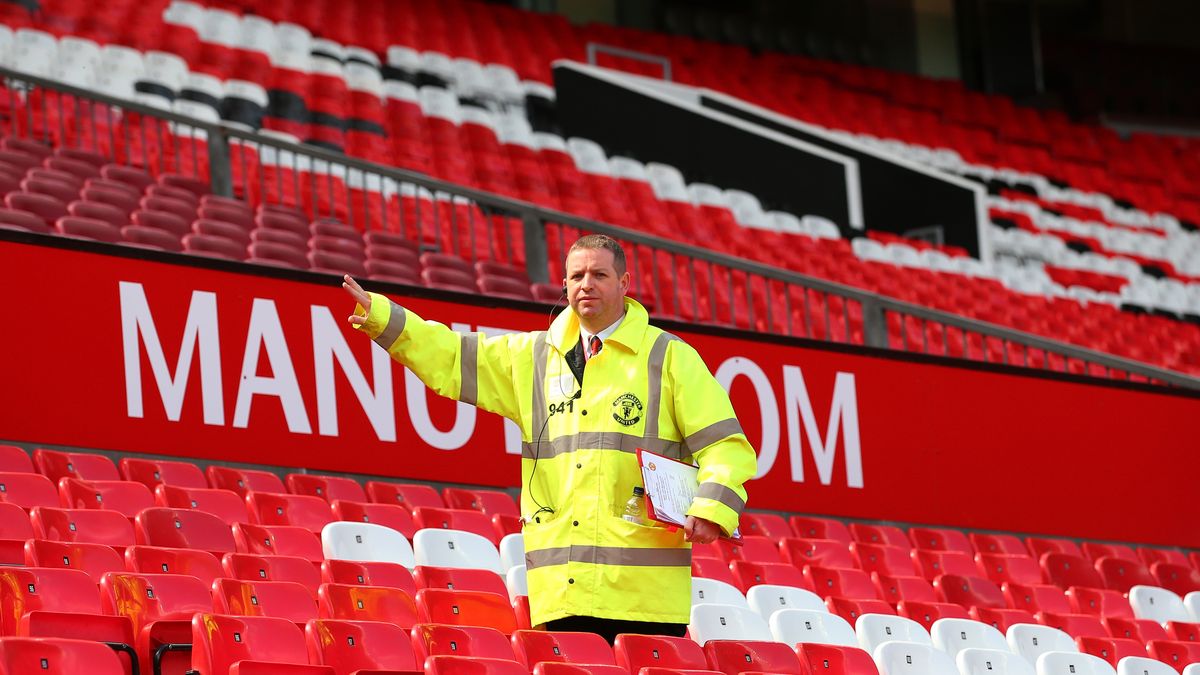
{"x": 609, "y": 629}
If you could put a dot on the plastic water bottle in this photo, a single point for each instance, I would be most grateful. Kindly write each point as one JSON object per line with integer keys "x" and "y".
{"x": 635, "y": 508}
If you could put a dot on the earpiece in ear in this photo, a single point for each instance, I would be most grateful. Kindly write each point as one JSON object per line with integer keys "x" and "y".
{"x": 564, "y": 289}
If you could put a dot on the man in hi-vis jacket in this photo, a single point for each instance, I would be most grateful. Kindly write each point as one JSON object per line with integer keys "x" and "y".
{"x": 600, "y": 383}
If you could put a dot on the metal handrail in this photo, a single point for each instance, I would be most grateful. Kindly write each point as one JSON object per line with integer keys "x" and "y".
{"x": 536, "y": 219}
{"x": 594, "y": 49}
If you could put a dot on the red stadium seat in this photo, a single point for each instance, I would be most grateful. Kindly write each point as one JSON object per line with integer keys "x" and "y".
{"x": 927, "y": 613}
{"x": 1179, "y": 579}
{"x": 224, "y": 504}
{"x": 15, "y": 460}
{"x": 968, "y": 591}
{"x": 1175, "y": 654}
{"x": 933, "y": 564}
{"x": 1142, "y": 630}
{"x": 180, "y": 528}
{"x": 93, "y": 559}
{"x": 747, "y": 574}
{"x": 90, "y": 526}
{"x": 435, "y": 639}
{"x": 160, "y": 608}
{"x": 56, "y": 464}
{"x": 884, "y": 559}
{"x": 459, "y": 579}
{"x": 40, "y": 602}
{"x": 463, "y": 665}
{"x": 879, "y": 534}
{"x": 999, "y": 544}
{"x": 252, "y": 567}
{"x": 940, "y": 539}
{"x": 1000, "y": 568}
{"x": 278, "y": 540}
{"x": 184, "y": 561}
{"x": 124, "y": 496}
{"x": 811, "y": 527}
{"x": 221, "y": 643}
{"x": 1111, "y": 649}
{"x": 466, "y": 520}
{"x": 359, "y": 647}
{"x": 362, "y": 573}
{"x": 850, "y": 608}
{"x": 282, "y": 599}
{"x": 1121, "y": 574}
{"x": 406, "y": 494}
{"x": 57, "y": 656}
{"x": 835, "y": 660}
{"x": 1183, "y": 631}
{"x": 898, "y": 589}
{"x": 534, "y": 646}
{"x": 1034, "y": 598}
{"x": 367, "y": 603}
{"x": 397, "y": 517}
{"x": 27, "y": 490}
{"x": 764, "y": 525}
{"x": 1066, "y": 570}
{"x": 1001, "y": 619}
{"x": 752, "y": 548}
{"x": 1150, "y": 555}
{"x": 712, "y": 568}
{"x": 154, "y": 472}
{"x": 634, "y": 652}
{"x": 823, "y": 552}
{"x": 1099, "y": 602}
{"x": 329, "y": 488}
{"x": 465, "y": 608}
{"x": 490, "y": 502}
{"x": 1075, "y": 625}
{"x": 1042, "y": 545}
{"x": 843, "y": 583}
{"x": 737, "y": 656}
{"x": 311, "y": 513}
{"x": 14, "y": 530}
{"x": 242, "y": 481}
{"x": 1095, "y": 551}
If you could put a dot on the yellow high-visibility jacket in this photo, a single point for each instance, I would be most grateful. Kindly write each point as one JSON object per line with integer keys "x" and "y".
{"x": 645, "y": 389}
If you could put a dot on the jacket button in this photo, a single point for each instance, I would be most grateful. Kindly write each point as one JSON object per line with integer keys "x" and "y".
{"x": 575, "y": 523}
{"x": 570, "y": 581}
{"x": 578, "y": 466}
{"x": 585, "y": 412}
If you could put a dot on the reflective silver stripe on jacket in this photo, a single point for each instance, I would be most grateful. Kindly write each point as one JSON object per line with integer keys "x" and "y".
{"x": 469, "y": 369}
{"x": 609, "y": 555}
{"x": 717, "y": 431}
{"x": 720, "y": 493}
{"x": 393, "y": 329}
{"x": 654, "y": 370}
{"x": 600, "y": 440}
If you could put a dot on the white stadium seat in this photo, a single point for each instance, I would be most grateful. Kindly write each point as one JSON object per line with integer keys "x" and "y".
{"x": 912, "y": 658}
{"x": 726, "y": 622}
{"x": 1031, "y": 640}
{"x": 712, "y": 591}
{"x": 793, "y": 626}
{"x": 873, "y": 630}
{"x": 955, "y": 635}
{"x": 1157, "y": 604}
{"x": 1072, "y": 663}
{"x": 346, "y": 540}
{"x": 455, "y": 548}
{"x": 1140, "y": 665}
{"x": 512, "y": 551}
{"x": 766, "y": 599}
{"x": 977, "y": 661}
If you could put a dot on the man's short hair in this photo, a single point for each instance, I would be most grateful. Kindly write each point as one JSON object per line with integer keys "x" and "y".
{"x": 602, "y": 242}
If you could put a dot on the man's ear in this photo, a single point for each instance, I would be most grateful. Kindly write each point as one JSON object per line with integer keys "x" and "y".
{"x": 625, "y": 283}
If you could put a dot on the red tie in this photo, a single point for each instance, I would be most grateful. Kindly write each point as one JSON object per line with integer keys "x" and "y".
{"x": 594, "y": 346}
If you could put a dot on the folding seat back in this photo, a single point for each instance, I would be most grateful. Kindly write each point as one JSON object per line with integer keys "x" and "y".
{"x": 1072, "y": 663}
{"x": 512, "y": 551}
{"x": 359, "y": 646}
{"x": 27, "y": 490}
{"x": 127, "y": 497}
{"x": 811, "y": 527}
{"x": 1111, "y": 649}
{"x": 1000, "y": 568}
{"x": 180, "y": 528}
{"x": 1142, "y": 630}
{"x": 222, "y": 642}
{"x": 393, "y": 575}
{"x": 1075, "y": 625}
{"x": 153, "y": 472}
{"x": 1031, "y": 641}
{"x": 726, "y": 622}
{"x": 940, "y": 539}
{"x": 1065, "y": 570}
{"x": 1176, "y": 654}
{"x": 367, "y": 603}
{"x": 766, "y": 599}
{"x": 55, "y": 464}
{"x": 823, "y": 552}
{"x": 1001, "y": 544}
{"x": 159, "y": 606}
{"x": 1035, "y": 598}
{"x": 719, "y": 592}
{"x": 794, "y": 626}
{"x": 750, "y": 574}
{"x": 884, "y": 559}
{"x": 827, "y": 659}
{"x": 57, "y": 656}
{"x": 903, "y": 589}
{"x": 634, "y": 652}
{"x": 1001, "y": 619}
{"x": 32, "y": 597}
{"x": 1150, "y": 555}
{"x": 933, "y": 564}
{"x": 981, "y": 661}
{"x": 282, "y": 599}
{"x": 873, "y": 630}
{"x": 466, "y": 608}
{"x": 457, "y": 578}
{"x": 254, "y": 567}
{"x": 968, "y": 591}
{"x": 91, "y": 526}
{"x": 488, "y": 501}
{"x": 435, "y": 639}
{"x": 533, "y": 647}
{"x": 1039, "y": 546}
{"x": 910, "y": 658}
{"x": 462, "y": 665}
{"x": 277, "y": 540}
{"x": 407, "y": 494}
{"x": 304, "y": 511}
{"x": 15, "y": 460}
{"x": 94, "y": 559}
{"x": 764, "y": 525}
{"x": 224, "y": 504}
{"x": 1094, "y": 551}
{"x": 366, "y": 542}
{"x": 712, "y": 568}
{"x": 328, "y": 488}
{"x": 15, "y": 529}
{"x": 1180, "y": 579}
{"x": 1157, "y": 604}
{"x": 391, "y": 516}
{"x": 842, "y": 583}
{"x": 737, "y": 656}
{"x": 955, "y": 635}
{"x": 1141, "y": 665}
{"x": 455, "y": 548}
{"x": 851, "y": 609}
{"x": 242, "y": 481}
{"x": 878, "y": 534}
{"x": 465, "y": 520}
{"x": 162, "y": 560}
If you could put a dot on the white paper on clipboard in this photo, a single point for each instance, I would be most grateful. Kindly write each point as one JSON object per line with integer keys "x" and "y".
{"x": 670, "y": 487}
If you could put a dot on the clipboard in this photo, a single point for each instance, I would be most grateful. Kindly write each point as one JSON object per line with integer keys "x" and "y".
{"x": 670, "y": 487}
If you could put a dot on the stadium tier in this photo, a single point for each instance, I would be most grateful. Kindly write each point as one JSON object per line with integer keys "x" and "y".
{"x": 151, "y": 554}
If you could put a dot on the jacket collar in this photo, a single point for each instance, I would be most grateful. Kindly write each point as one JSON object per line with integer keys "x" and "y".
{"x": 564, "y": 332}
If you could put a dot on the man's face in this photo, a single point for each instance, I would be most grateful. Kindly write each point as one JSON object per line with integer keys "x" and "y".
{"x": 594, "y": 289}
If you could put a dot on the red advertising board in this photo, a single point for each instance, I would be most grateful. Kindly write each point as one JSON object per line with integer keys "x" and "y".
{"x": 90, "y": 357}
